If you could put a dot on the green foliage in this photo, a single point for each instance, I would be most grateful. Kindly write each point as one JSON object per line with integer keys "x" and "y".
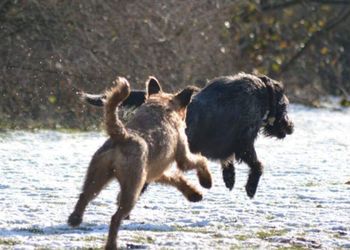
{"x": 241, "y": 237}
{"x": 143, "y": 239}
{"x": 270, "y": 233}
{"x": 345, "y": 102}
{"x": 9, "y": 242}
{"x": 292, "y": 248}
{"x": 52, "y": 99}
{"x": 278, "y": 35}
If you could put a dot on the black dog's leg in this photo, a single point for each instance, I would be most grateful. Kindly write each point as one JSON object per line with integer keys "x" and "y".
{"x": 144, "y": 188}
{"x": 256, "y": 169}
{"x": 228, "y": 173}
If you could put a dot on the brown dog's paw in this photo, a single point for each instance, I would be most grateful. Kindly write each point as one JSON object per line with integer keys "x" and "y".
{"x": 111, "y": 246}
{"x": 195, "y": 197}
{"x": 74, "y": 220}
{"x": 205, "y": 182}
{"x": 203, "y": 173}
{"x": 204, "y": 177}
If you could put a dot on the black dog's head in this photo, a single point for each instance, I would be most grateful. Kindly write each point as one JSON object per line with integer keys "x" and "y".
{"x": 278, "y": 123}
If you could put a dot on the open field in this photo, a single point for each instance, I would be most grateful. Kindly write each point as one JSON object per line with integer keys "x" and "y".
{"x": 302, "y": 200}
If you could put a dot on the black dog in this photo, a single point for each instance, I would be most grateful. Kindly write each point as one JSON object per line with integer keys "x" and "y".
{"x": 224, "y": 119}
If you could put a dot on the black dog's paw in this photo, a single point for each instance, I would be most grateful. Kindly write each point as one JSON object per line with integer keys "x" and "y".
{"x": 74, "y": 220}
{"x": 252, "y": 185}
{"x": 195, "y": 197}
{"x": 251, "y": 190}
{"x": 228, "y": 175}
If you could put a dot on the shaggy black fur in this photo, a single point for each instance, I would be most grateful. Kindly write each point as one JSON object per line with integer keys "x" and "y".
{"x": 224, "y": 119}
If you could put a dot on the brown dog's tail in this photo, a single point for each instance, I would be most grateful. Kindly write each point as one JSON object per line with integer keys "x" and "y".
{"x": 114, "y": 97}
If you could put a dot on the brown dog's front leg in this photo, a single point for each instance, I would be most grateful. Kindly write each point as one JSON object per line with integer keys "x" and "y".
{"x": 179, "y": 181}
{"x": 187, "y": 161}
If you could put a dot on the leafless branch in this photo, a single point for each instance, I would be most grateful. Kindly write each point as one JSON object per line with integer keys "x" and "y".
{"x": 267, "y": 6}
{"x": 314, "y": 37}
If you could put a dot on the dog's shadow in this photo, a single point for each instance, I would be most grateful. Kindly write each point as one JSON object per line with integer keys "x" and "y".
{"x": 85, "y": 228}
{"x": 52, "y": 230}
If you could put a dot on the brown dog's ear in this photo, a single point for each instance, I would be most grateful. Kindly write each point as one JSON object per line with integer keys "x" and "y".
{"x": 153, "y": 86}
{"x": 184, "y": 97}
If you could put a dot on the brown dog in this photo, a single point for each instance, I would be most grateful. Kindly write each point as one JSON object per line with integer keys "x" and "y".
{"x": 141, "y": 152}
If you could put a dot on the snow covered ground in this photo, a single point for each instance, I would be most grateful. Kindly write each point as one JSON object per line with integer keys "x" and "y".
{"x": 302, "y": 200}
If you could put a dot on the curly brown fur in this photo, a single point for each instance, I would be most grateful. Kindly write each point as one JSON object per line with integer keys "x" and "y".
{"x": 140, "y": 152}
{"x": 115, "y": 96}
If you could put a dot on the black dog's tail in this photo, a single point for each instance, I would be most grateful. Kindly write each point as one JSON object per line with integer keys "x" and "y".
{"x": 95, "y": 100}
{"x": 134, "y": 100}
{"x": 114, "y": 97}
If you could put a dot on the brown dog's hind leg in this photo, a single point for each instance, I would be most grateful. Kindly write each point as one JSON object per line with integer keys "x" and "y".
{"x": 130, "y": 189}
{"x": 256, "y": 169}
{"x": 96, "y": 178}
{"x": 144, "y": 188}
{"x": 179, "y": 181}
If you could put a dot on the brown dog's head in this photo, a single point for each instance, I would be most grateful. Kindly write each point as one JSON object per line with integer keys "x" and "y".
{"x": 278, "y": 123}
{"x": 176, "y": 102}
